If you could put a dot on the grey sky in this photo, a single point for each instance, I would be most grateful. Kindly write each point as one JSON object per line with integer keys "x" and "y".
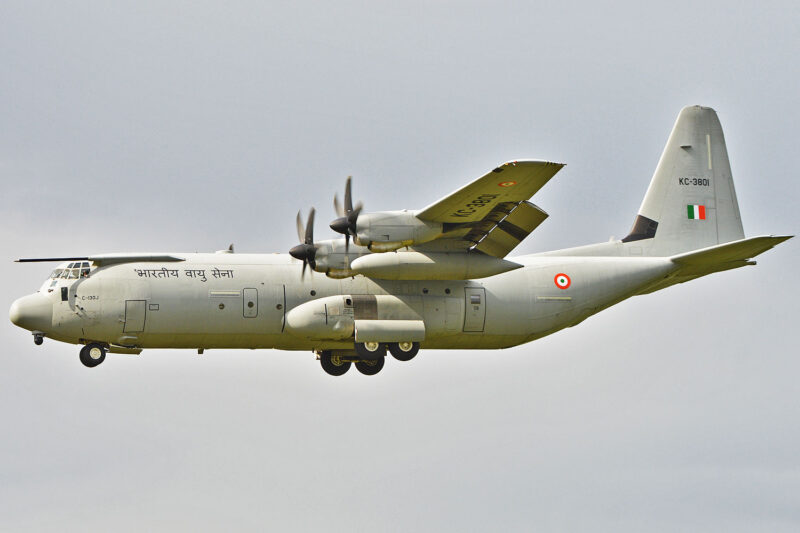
{"x": 185, "y": 126}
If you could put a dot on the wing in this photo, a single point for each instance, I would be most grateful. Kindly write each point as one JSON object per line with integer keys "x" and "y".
{"x": 491, "y": 214}
{"x": 109, "y": 259}
{"x": 511, "y": 182}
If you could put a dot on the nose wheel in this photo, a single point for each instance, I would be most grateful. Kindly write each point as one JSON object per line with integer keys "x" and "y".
{"x": 93, "y": 354}
{"x": 38, "y": 339}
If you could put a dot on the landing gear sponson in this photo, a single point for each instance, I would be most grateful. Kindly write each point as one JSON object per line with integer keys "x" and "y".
{"x": 369, "y": 357}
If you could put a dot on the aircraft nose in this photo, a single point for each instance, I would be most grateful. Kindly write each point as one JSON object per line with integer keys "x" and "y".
{"x": 33, "y": 312}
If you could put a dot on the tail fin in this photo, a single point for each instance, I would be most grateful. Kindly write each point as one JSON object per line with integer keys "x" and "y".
{"x": 691, "y": 202}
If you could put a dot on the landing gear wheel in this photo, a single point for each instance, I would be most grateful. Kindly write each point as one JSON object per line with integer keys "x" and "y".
{"x": 333, "y": 364}
{"x": 404, "y": 351}
{"x": 93, "y": 354}
{"x": 38, "y": 339}
{"x": 370, "y": 367}
{"x": 370, "y": 350}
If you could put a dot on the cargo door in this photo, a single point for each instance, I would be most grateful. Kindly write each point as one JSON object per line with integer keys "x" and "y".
{"x": 134, "y": 316}
{"x": 474, "y": 309}
{"x": 250, "y": 303}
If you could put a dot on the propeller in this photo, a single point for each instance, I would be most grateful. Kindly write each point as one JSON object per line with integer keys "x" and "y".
{"x": 348, "y": 217}
{"x": 306, "y": 251}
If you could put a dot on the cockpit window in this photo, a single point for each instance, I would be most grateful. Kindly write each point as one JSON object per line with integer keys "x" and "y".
{"x": 72, "y": 271}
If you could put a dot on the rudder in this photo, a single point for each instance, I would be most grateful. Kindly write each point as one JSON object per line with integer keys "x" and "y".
{"x": 691, "y": 201}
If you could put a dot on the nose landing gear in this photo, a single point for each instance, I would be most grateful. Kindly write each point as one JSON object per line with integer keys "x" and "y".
{"x": 93, "y": 354}
{"x": 38, "y": 339}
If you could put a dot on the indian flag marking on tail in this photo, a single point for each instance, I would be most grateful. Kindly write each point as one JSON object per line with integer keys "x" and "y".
{"x": 696, "y": 212}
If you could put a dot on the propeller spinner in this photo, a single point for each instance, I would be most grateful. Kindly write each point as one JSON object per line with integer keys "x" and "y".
{"x": 348, "y": 217}
{"x": 307, "y": 251}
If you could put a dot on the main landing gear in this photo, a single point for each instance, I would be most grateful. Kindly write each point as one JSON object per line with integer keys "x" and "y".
{"x": 93, "y": 354}
{"x": 369, "y": 357}
{"x": 404, "y": 351}
{"x": 335, "y": 365}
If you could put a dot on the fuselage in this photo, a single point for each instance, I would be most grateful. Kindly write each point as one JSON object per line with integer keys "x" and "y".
{"x": 243, "y": 301}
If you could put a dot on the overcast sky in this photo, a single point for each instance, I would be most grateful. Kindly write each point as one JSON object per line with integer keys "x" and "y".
{"x": 183, "y": 126}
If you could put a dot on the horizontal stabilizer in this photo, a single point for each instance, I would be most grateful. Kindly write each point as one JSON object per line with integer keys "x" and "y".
{"x": 698, "y": 263}
{"x": 715, "y": 256}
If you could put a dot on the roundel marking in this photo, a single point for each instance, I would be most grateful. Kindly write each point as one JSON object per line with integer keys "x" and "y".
{"x": 506, "y": 183}
{"x": 562, "y": 281}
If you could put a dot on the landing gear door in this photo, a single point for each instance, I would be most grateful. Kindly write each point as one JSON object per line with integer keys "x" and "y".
{"x": 474, "y": 309}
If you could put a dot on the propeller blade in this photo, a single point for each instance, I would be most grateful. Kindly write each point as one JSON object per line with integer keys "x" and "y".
{"x": 348, "y": 198}
{"x": 346, "y": 224}
{"x": 337, "y": 207}
{"x": 300, "y": 231}
{"x": 353, "y": 216}
{"x": 309, "y": 237}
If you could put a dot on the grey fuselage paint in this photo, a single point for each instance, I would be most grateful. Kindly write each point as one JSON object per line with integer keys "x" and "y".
{"x": 202, "y": 302}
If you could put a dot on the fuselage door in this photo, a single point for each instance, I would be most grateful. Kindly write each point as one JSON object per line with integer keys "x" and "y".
{"x": 474, "y": 309}
{"x": 250, "y": 303}
{"x": 134, "y": 316}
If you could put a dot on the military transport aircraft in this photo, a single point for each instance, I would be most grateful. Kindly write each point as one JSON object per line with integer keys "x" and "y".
{"x": 433, "y": 278}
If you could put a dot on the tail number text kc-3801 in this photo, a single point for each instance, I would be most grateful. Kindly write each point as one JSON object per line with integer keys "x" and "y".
{"x": 481, "y": 201}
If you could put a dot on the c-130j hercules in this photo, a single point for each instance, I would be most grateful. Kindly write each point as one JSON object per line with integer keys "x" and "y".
{"x": 433, "y": 278}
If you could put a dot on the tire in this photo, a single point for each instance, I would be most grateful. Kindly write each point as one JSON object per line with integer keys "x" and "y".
{"x": 93, "y": 354}
{"x": 333, "y": 365}
{"x": 404, "y": 351}
{"x": 370, "y": 367}
{"x": 370, "y": 350}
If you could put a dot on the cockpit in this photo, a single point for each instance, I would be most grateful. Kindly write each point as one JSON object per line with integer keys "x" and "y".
{"x": 69, "y": 272}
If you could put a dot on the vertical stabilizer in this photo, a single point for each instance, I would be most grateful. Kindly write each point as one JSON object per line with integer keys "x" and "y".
{"x": 691, "y": 202}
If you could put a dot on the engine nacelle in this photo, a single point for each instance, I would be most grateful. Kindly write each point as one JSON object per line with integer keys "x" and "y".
{"x": 430, "y": 265}
{"x": 390, "y": 230}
